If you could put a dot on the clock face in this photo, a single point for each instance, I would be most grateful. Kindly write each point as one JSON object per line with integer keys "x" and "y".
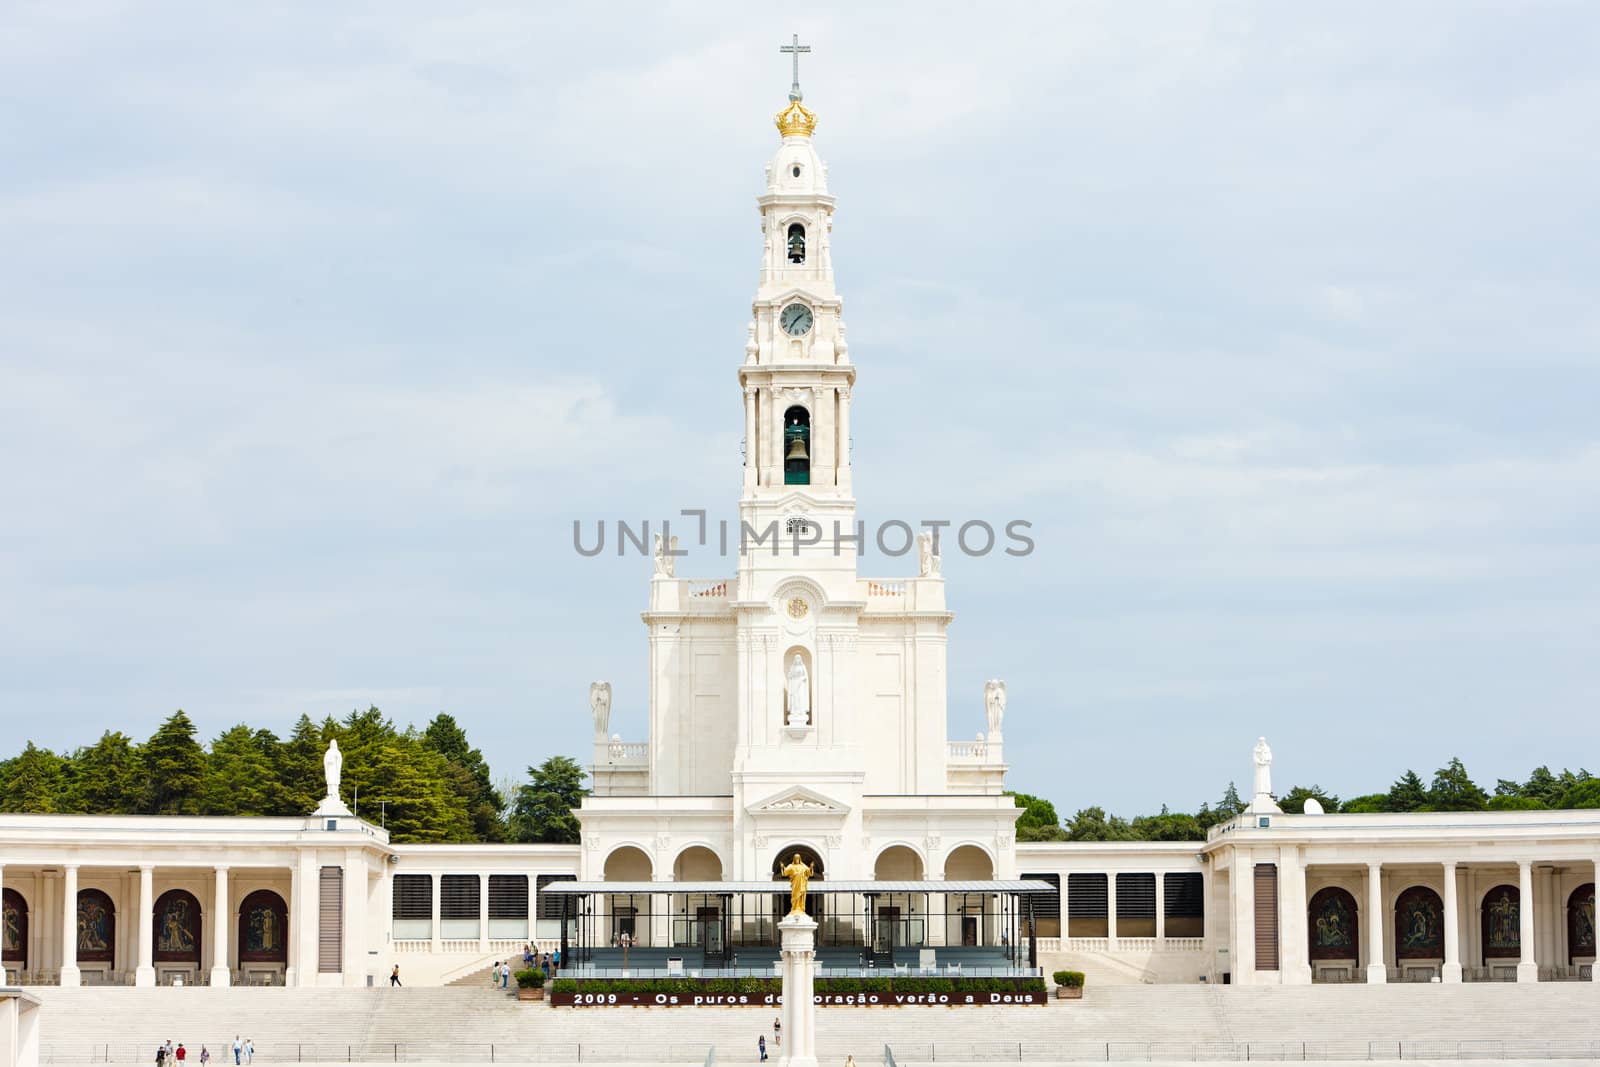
{"x": 795, "y": 320}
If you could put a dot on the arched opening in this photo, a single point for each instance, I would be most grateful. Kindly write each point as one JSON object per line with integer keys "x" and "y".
{"x": 627, "y": 917}
{"x": 700, "y": 920}
{"x": 97, "y": 927}
{"x": 972, "y": 917}
{"x": 898, "y": 920}
{"x": 1418, "y": 925}
{"x": 1580, "y": 924}
{"x": 177, "y": 927}
{"x": 263, "y": 928}
{"x": 14, "y": 930}
{"x": 797, "y": 446}
{"x": 1333, "y": 933}
{"x": 795, "y": 243}
{"x": 1502, "y": 923}
{"x": 799, "y": 689}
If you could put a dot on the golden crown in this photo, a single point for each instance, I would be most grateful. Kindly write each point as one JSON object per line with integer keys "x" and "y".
{"x": 796, "y": 120}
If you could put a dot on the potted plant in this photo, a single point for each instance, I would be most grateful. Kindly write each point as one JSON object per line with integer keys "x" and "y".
{"x": 1069, "y": 985}
{"x": 530, "y": 984}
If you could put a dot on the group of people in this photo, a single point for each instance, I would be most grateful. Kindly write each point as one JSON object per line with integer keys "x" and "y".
{"x": 500, "y": 970}
{"x": 244, "y": 1051}
{"x": 777, "y": 1039}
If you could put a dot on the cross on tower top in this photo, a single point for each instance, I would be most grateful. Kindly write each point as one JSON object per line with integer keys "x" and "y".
{"x": 795, "y": 49}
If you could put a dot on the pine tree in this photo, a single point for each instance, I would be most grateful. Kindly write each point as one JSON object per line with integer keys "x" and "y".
{"x": 542, "y": 811}
{"x": 238, "y": 775}
{"x": 1407, "y": 794}
{"x": 107, "y": 777}
{"x": 32, "y": 782}
{"x": 174, "y": 766}
{"x": 469, "y": 777}
{"x": 1230, "y": 804}
{"x": 299, "y": 763}
{"x": 1454, "y": 790}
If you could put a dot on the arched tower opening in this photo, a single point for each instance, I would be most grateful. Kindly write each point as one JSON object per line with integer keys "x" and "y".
{"x": 795, "y": 241}
{"x": 797, "y": 446}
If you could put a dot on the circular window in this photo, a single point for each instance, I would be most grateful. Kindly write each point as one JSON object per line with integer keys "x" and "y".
{"x": 797, "y": 172}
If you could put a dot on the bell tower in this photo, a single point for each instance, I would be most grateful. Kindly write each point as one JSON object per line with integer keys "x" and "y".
{"x": 796, "y": 376}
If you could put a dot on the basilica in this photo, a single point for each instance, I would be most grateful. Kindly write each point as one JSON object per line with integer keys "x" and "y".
{"x": 797, "y": 712}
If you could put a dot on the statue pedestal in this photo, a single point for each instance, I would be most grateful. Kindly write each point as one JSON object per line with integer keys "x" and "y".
{"x": 332, "y": 805}
{"x": 799, "y": 940}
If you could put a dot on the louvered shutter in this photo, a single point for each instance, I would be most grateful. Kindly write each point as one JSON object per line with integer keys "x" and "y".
{"x": 330, "y": 921}
{"x": 1266, "y": 916}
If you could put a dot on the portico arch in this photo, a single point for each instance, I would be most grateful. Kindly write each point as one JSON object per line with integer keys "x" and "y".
{"x": 177, "y": 927}
{"x": 14, "y": 930}
{"x": 1580, "y": 924}
{"x": 697, "y": 863}
{"x": 97, "y": 927}
{"x": 898, "y": 863}
{"x": 972, "y": 917}
{"x": 263, "y": 928}
{"x": 969, "y": 863}
{"x": 1333, "y": 928}
{"x": 1418, "y": 925}
{"x": 628, "y": 914}
{"x": 1501, "y": 919}
{"x": 899, "y": 920}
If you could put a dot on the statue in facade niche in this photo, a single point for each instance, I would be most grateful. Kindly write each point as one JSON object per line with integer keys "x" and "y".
{"x": 600, "y": 707}
{"x": 799, "y": 874}
{"x": 994, "y": 704}
{"x": 798, "y": 690}
{"x": 927, "y": 555}
{"x": 332, "y": 767}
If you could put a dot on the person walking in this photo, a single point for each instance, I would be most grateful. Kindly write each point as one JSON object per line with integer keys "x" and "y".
{"x": 505, "y": 976}
{"x": 249, "y": 1050}
{"x": 494, "y": 974}
{"x": 205, "y": 1056}
{"x": 161, "y": 1055}
{"x": 182, "y": 1054}
{"x": 238, "y": 1049}
{"x": 849, "y": 1061}
{"x": 777, "y": 1030}
{"x": 394, "y": 976}
{"x": 761, "y": 1046}
{"x": 170, "y": 1058}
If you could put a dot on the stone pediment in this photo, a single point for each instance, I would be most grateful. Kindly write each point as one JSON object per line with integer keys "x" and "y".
{"x": 798, "y": 800}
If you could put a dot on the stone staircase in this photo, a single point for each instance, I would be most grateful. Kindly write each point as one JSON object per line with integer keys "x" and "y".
{"x": 480, "y": 1025}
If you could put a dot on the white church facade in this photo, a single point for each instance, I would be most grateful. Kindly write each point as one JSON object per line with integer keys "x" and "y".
{"x": 798, "y": 707}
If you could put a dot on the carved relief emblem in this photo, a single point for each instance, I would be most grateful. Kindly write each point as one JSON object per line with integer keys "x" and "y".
{"x": 798, "y": 608}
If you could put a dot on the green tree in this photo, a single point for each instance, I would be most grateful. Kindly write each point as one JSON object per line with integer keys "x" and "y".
{"x": 107, "y": 777}
{"x": 299, "y": 768}
{"x": 32, "y": 782}
{"x": 1168, "y": 826}
{"x": 1367, "y": 804}
{"x": 393, "y": 778}
{"x": 239, "y": 777}
{"x": 1454, "y": 790}
{"x": 1038, "y": 821}
{"x": 174, "y": 767}
{"x": 543, "y": 808}
{"x": 1230, "y": 805}
{"x": 1093, "y": 824}
{"x": 469, "y": 777}
{"x": 1407, "y": 794}
{"x": 1585, "y": 794}
{"x": 1502, "y": 802}
{"x": 1294, "y": 801}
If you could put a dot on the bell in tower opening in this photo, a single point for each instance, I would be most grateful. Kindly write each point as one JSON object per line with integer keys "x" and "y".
{"x": 797, "y": 446}
{"x": 797, "y": 243}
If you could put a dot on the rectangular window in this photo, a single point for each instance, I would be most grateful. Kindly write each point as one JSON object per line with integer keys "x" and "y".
{"x": 1266, "y": 916}
{"x": 412, "y": 913}
{"x": 1046, "y": 906}
{"x": 550, "y": 906}
{"x": 1086, "y": 905}
{"x": 1136, "y": 904}
{"x": 330, "y": 920}
{"x": 458, "y": 906}
{"x": 1184, "y": 901}
{"x": 508, "y": 906}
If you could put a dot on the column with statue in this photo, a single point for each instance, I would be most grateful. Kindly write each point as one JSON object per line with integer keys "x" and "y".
{"x": 798, "y": 933}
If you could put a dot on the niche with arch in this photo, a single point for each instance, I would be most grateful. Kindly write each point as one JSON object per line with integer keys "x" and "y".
{"x": 797, "y": 446}
{"x": 805, "y": 716}
{"x": 795, "y": 243}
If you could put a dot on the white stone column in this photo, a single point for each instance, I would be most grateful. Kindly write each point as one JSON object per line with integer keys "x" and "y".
{"x": 483, "y": 913}
{"x": 798, "y": 933}
{"x": 437, "y": 881}
{"x": 1161, "y": 907}
{"x": 750, "y": 450}
{"x": 1452, "y": 926}
{"x": 1111, "y": 911}
{"x": 1242, "y": 929}
{"x": 305, "y": 924}
{"x": 1377, "y": 968}
{"x": 1293, "y": 942}
{"x": 144, "y": 927}
{"x": 844, "y": 439}
{"x": 355, "y": 918}
{"x": 70, "y": 975}
{"x": 297, "y": 900}
{"x": 1527, "y": 967}
{"x": 221, "y": 973}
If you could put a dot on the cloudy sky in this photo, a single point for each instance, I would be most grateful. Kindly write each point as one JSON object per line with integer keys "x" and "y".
{"x": 322, "y": 322}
